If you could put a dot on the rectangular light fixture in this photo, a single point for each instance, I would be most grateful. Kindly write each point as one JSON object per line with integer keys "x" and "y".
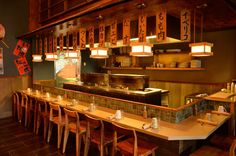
{"x": 141, "y": 49}
{"x": 201, "y": 49}
{"x": 72, "y": 54}
{"x": 99, "y": 53}
{"x": 37, "y": 58}
{"x": 50, "y": 57}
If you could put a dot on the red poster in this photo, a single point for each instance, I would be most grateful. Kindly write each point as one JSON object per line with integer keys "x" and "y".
{"x": 22, "y": 65}
{"x": 21, "y": 48}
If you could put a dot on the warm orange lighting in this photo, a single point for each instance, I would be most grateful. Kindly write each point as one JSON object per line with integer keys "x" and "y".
{"x": 141, "y": 49}
{"x": 201, "y": 49}
{"x": 72, "y": 54}
{"x": 99, "y": 53}
{"x": 50, "y": 57}
{"x": 37, "y": 58}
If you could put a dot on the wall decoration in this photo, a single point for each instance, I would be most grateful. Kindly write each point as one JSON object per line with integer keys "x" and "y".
{"x": 113, "y": 33}
{"x": 22, "y": 65}
{"x": 21, "y": 48}
{"x": 126, "y": 31}
{"x": 161, "y": 25}
{"x": 74, "y": 40}
{"x": 185, "y": 24}
{"x": 1, "y": 61}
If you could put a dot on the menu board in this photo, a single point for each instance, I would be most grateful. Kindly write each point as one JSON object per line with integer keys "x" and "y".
{"x": 185, "y": 24}
{"x": 50, "y": 43}
{"x": 1, "y": 61}
{"x": 161, "y": 25}
{"x": 67, "y": 40}
{"x": 45, "y": 44}
{"x": 113, "y": 33}
{"x": 91, "y": 36}
{"x": 126, "y": 31}
{"x": 101, "y": 35}
{"x": 82, "y": 38}
{"x": 21, "y": 48}
{"x": 61, "y": 42}
{"x": 22, "y": 65}
{"x": 142, "y": 27}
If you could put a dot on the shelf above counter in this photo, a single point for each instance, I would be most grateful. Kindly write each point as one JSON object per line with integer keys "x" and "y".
{"x": 191, "y": 69}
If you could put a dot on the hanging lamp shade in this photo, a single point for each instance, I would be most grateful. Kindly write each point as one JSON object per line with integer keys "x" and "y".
{"x": 201, "y": 49}
{"x": 37, "y": 57}
{"x": 72, "y": 54}
{"x": 99, "y": 53}
{"x": 141, "y": 49}
{"x": 50, "y": 57}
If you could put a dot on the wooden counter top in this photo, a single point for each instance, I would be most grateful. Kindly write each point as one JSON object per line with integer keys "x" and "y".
{"x": 221, "y": 98}
{"x": 188, "y": 129}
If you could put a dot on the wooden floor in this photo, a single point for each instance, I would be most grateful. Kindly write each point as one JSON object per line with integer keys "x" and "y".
{"x": 16, "y": 140}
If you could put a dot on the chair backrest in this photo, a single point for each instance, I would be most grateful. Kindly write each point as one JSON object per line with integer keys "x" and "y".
{"x": 42, "y": 106}
{"x": 24, "y": 100}
{"x": 127, "y": 132}
{"x": 55, "y": 111}
{"x": 95, "y": 124}
{"x": 72, "y": 116}
{"x": 15, "y": 98}
{"x": 232, "y": 148}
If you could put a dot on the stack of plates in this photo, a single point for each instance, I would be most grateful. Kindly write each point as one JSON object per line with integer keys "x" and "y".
{"x": 183, "y": 65}
{"x": 173, "y": 64}
{"x": 195, "y": 64}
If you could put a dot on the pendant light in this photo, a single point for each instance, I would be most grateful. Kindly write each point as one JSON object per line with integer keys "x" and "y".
{"x": 52, "y": 54}
{"x": 200, "y": 49}
{"x": 100, "y": 52}
{"x": 141, "y": 48}
{"x": 37, "y": 57}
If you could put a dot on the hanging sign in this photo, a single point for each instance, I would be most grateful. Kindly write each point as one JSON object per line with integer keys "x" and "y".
{"x": 50, "y": 43}
{"x": 22, "y": 65}
{"x": 61, "y": 42}
{"x": 40, "y": 46}
{"x": 101, "y": 35}
{"x": 91, "y": 36}
{"x": 21, "y": 48}
{"x": 45, "y": 45}
{"x": 54, "y": 44}
{"x": 161, "y": 25}
{"x": 67, "y": 40}
{"x": 142, "y": 27}
{"x": 74, "y": 40}
{"x": 113, "y": 33}
{"x": 1, "y": 61}
{"x": 82, "y": 38}
{"x": 185, "y": 24}
{"x": 126, "y": 31}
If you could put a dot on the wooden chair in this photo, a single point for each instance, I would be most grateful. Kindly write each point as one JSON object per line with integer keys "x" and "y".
{"x": 15, "y": 105}
{"x": 56, "y": 117}
{"x": 23, "y": 108}
{"x": 132, "y": 145}
{"x": 95, "y": 134}
{"x": 214, "y": 151}
{"x": 74, "y": 125}
{"x": 32, "y": 112}
{"x": 43, "y": 113}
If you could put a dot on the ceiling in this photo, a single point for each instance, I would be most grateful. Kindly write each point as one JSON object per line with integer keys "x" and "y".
{"x": 217, "y": 14}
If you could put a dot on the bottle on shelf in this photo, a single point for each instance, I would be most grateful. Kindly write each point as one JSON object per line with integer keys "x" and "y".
{"x": 232, "y": 87}
{"x": 145, "y": 112}
{"x": 228, "y": 87}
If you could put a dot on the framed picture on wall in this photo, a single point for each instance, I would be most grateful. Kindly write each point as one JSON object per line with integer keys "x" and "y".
{"x": 1, "y": 62}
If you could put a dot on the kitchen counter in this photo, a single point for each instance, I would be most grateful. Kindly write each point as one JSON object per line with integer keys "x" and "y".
{"x": 149, "y": 95}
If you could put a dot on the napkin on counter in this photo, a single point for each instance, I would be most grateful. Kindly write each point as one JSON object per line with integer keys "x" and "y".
{"x": 146, "y": 125}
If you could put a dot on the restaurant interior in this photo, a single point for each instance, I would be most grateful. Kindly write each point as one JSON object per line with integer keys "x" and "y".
{"x": 118, "y": 77}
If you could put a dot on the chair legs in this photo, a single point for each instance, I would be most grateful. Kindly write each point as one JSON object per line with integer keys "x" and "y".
{"x": 49, "y": 131}
{"x": 66, "y": 134}
{"x": 87, "y": 144}
{"x": 78, "y": 143}
{"x": 59, "y": 135}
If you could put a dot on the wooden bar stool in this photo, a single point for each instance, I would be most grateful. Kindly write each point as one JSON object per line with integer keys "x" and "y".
{"x": 95, "y": 134}
{"x": 213, "y": 151}
{"x": 56, "y": 117}
{"x": 74, "y": 125}
{"x": 31, "y": 112}
{"x": 15, "y": 105}
{"x": 23, "y": 108}
{"x": 43, "y": 113}
{"x": 132, "y": 145}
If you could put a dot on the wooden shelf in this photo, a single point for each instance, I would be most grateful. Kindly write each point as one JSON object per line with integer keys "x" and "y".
{"x": 124, "y": 68}
{"x": 191, "y": 69}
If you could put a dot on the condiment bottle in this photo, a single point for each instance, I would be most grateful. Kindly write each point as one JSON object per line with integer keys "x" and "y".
{"x": 228, "y": 87}
{"x": 145, "y": 112}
